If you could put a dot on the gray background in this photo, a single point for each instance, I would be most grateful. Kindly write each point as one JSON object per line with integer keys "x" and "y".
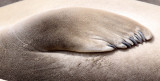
{"x": 156, "y": 2}
{"x": 5, "y": 2}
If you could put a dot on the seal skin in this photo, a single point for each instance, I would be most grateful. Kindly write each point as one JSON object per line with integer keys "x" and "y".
{"x": 80, "y": 30}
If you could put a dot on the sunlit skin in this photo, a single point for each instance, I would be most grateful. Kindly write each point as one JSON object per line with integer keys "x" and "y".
{"x": 136, "y": 64}
{"x": 78, "y": 29}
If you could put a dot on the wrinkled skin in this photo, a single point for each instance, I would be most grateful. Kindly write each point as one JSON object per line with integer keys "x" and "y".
{"x": 140, "y": 63}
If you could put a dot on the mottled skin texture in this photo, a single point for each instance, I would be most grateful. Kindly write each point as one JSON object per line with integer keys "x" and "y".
{"x": 140, "y": 63}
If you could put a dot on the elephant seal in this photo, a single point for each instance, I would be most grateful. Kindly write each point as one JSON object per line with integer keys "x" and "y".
{"x": 78, "y": 29}
{"x": 137, "y": 64}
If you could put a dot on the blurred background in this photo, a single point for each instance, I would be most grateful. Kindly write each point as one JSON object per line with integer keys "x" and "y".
{"x": 6, "y": 2}
{"x": 156, "y": 2}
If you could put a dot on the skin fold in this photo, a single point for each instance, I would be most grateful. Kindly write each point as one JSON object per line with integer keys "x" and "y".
{"x": 140, "y": 63}
{"x": 78, "y": 29}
